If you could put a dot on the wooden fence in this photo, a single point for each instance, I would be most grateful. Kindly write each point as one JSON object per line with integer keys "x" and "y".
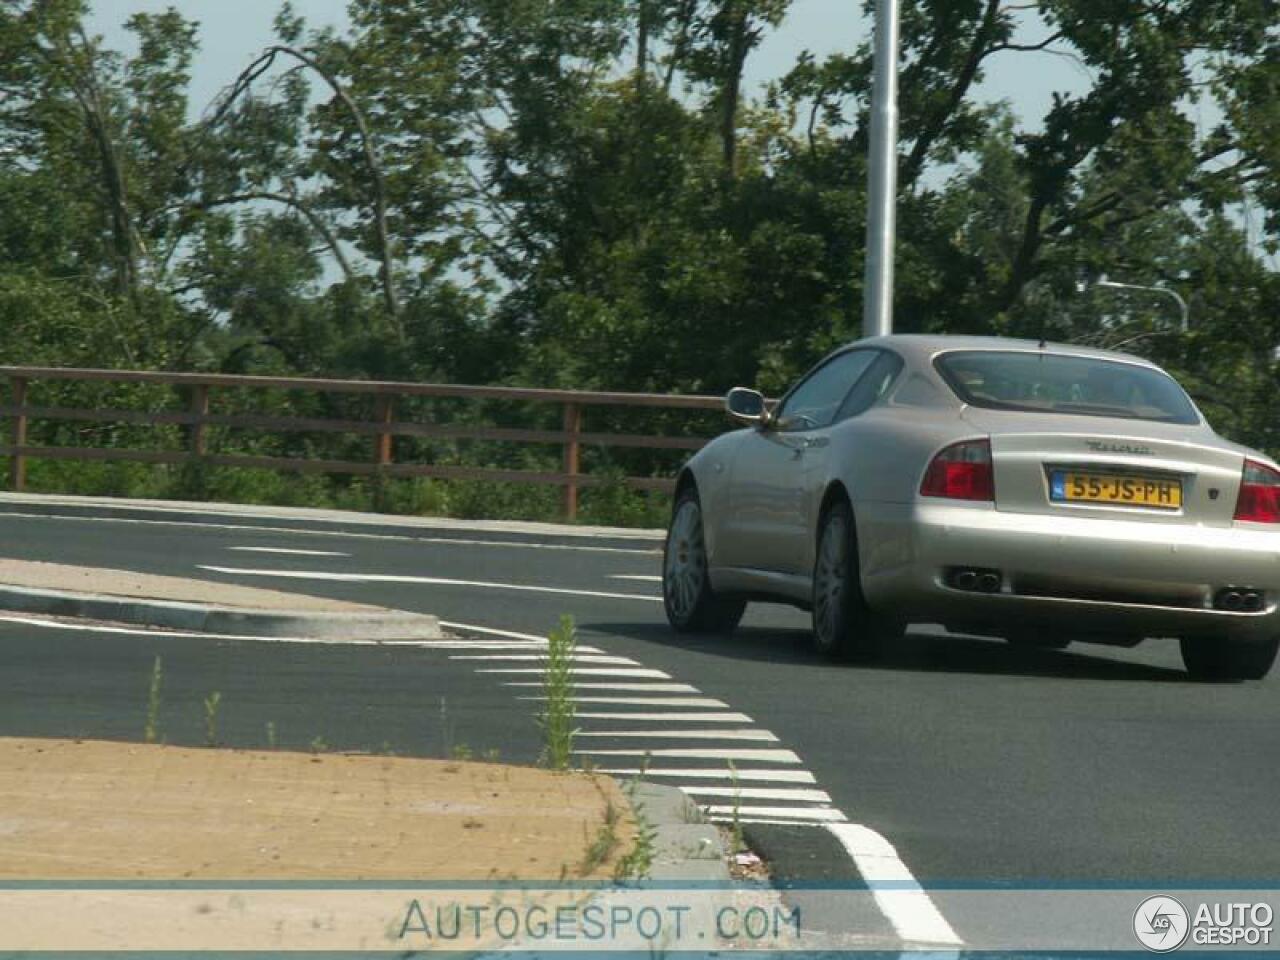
{"x": 197, "y": 418}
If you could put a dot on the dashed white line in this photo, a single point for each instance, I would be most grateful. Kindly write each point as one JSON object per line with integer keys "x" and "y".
{"x": 543, "y": 657}
{"x": 760, "y": 736}
{"x": 425, "y": 581}
{"x": 761, "y": 793}
{"x": 288, "y": 552}
{"x": 760, "y": 756}
{"x": 749, "y": 814}
{"x": 653, "y": 687}
{"x": 908, "y": 908}
{"x": 636, "y": 577}
{"x": 669, "y": 717}
{"x": 647, "y": 701}
{"x": 913, "y": 915}
{"x": 714, "y": 773}
{"x": 511, "y": 634}
{"x": 638, "y": 673}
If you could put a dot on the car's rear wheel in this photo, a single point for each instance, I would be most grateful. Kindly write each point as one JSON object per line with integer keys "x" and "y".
{"x": 1214, "y": 658}
{"x": 844, "y": 627}
{"x": 692, "y": 605}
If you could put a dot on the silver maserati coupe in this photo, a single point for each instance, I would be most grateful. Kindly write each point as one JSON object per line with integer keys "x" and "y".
{"x": 1037, "y": 492}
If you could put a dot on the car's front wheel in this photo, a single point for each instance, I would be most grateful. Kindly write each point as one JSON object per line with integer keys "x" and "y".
{"x": 844, "y": 627}
{"x": 692, "y": 605}
{"x": 1214, "y": 658}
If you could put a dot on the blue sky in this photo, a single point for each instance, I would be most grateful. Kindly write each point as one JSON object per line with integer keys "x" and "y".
{"x": 232, "y": 31}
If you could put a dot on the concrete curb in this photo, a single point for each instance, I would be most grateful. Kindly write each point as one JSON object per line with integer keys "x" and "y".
{"x": 205, "y": 618}
{"x": 687, "y": 847}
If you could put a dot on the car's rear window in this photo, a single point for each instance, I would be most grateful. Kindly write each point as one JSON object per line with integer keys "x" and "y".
{"x": 1055, "y": 383}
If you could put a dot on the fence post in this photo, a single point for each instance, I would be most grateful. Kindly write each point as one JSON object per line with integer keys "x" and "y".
{"x": 572, "y": 458}
{"x": 18, "y": 462}
{"x": 200, "y": 410}
{"x": 384, "y": 415}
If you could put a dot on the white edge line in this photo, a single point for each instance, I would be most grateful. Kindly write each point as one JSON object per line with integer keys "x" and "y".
{"x": 760, "y": 793}
{"x": 898, "y": 894}
{"x": 289, "y": 551}
{"x": 666, "y": 716}
{"x": 714, "y": 773}
{"x": 512, "y": 634}
{"x": 754, "y": 734}
{"x": 686, "y": 702}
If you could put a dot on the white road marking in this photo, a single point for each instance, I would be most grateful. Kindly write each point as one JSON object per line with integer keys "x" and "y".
{"x": 636, "y": 577}
{"x": 761, "y": 793}
{"x": 908, "y": 908}
{"x": 760, "y": 756}
{"x": 425, "y": 581}
{"x": 512, "y": 634}
{"x": 761, "y": 736}
{"x": 670, "y": 717}
{"x": 648, "y": 701}
{"x": 638, "y": 673}
{"x": 470, "y": 645}
{"x": 822, "y": 814}
{"x": 285, "y": 551}
{"x": 654, "y": 687}
{"x": 713, "y": 773}
{"x": 898, "y": 895}
{"x": 543, "y": 657}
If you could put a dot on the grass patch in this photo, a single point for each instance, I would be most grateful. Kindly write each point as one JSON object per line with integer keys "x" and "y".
{"x": 560, "y": 712}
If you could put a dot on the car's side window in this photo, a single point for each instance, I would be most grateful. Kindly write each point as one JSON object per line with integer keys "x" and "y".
{"x": 871, "y": 386}
{"x": 818, "y": 398}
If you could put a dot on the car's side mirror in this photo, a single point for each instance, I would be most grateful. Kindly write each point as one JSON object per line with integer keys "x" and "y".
{"x": 747, "y": 406}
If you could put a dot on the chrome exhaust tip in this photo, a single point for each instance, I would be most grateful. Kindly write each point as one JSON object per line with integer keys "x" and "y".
{"x": 965, "y": 580}
{"x": 990, "y": 583}
{"x": 1251, "y": 601}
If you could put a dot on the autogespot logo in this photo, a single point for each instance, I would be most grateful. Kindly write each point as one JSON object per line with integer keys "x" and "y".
{"x": 1161, "y": 924}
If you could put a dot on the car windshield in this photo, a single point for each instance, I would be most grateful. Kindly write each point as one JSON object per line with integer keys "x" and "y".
{"x": 1055, "y": 383}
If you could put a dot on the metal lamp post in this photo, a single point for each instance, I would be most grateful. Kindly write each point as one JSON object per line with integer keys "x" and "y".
{"x": 882, "y": 194}
{"x": 1182, "y": 304}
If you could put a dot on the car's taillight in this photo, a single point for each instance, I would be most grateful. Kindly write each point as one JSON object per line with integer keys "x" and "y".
{"x": 962, "y": 471}
{"x": 1259, "y": 500}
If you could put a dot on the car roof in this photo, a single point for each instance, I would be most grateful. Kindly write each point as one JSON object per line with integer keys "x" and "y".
{"x": 922, "y": 347}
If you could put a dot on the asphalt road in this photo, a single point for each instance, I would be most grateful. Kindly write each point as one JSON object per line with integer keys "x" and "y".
{"x": 980, "y": 763}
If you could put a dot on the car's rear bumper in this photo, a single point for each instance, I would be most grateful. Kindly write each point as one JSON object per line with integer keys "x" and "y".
{"x": 1071, "y": 574}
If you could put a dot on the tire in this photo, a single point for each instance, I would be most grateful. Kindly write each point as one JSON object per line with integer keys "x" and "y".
{"x": 844, "y": 627}
{"x": 1212, "y": 658}
{"x": 692, "y": 605}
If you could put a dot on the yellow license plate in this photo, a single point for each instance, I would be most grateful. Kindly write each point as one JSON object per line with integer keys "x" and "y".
{"x": 1069, "y": 486}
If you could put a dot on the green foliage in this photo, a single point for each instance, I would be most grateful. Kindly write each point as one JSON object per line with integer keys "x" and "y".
{"x": 211, "y": 705}
{"x": 151, "y": 732}
{"x": 560, "y": 709}
{"x": 583, "y": 193}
